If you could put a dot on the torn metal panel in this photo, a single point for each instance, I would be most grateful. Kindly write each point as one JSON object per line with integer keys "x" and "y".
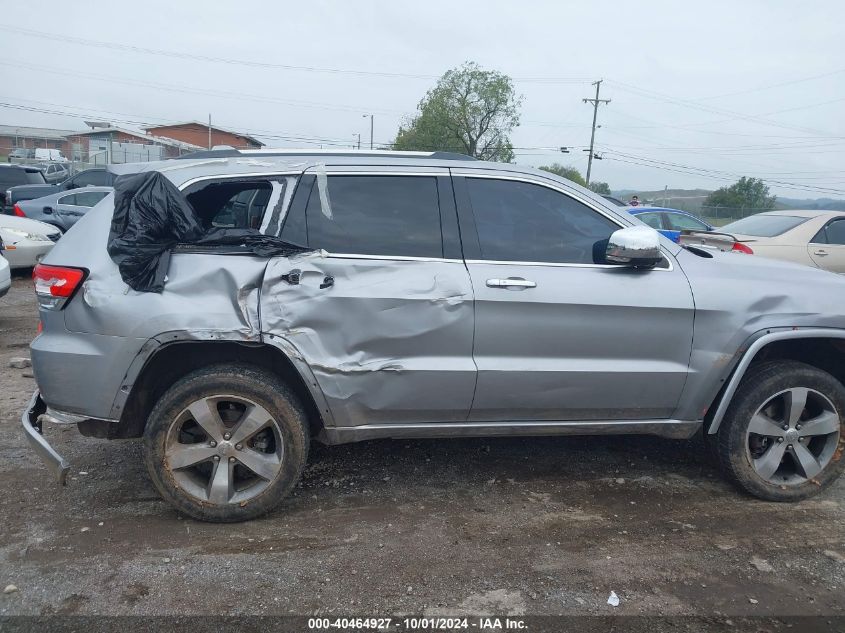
{"x": 389, "y": 341}
{"x": 205, "y": 292}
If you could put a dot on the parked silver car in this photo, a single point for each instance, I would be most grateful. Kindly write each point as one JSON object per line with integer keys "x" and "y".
{"x": 64, "y": 208}
{"x": 55, "y": 172}
{"x": 440, "y": 297}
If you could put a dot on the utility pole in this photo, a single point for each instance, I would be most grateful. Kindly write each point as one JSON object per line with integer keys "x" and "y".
{"x": 209, "y": 130}
{"x": 371, "y": 128}
{"x": 595, "y": 103}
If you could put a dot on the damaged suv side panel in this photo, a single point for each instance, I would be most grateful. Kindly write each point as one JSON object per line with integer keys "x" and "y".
{"x": 385, "y": 324}
{"x": 388, "y": 341}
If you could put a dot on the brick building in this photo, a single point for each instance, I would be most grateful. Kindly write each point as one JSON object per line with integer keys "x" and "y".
{"x": 105, "y": 143}
{"x": 196, "y": 133}
{"x": 20, "y": 136}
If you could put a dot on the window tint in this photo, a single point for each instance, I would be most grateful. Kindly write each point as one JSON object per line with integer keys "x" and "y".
{"x": 681, "y": 222}
{"x": 71, "y": 199}
{"x": 376, "y": 215}
{"x": 95, "y": 177}
{"x": 11, "y": 176}
{"x": 835, "y": 232}
{"x": 89, "y": 198}
{"x": 519, "y": 221}
{"x": 652, "y": 219}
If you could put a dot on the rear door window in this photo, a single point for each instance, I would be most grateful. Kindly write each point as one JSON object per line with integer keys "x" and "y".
{"x": 376, "y": 215}
{"x": 654, "y": 220}
{"x": 681, "y": 222}
{"x": 833, "y": 233}
{"x": 95, "y": 177}
{"x": 88, "y": 198}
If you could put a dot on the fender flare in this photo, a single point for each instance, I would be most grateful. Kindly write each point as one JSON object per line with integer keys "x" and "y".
{"x": 771, "y": 335}
{"x": 282, "y": 345}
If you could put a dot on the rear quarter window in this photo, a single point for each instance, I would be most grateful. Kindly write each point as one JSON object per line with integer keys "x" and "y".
{"x": 13, "y": 177}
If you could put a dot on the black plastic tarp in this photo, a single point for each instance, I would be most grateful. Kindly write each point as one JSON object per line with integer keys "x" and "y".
{"x": 151, "y": 217}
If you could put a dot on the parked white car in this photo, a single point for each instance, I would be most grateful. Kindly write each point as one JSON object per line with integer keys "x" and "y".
{"x": 26, "y": 241}
{"x": 5, "y": 273}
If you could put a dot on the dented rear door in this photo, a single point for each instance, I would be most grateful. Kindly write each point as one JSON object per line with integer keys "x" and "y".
{"x": 382, "y": 312}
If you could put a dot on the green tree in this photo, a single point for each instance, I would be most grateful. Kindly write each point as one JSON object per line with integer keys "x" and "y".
{"x": 470, "y": 111}
{"x": 748, "y": 194}
{"x": 600, "y": 187}
{"x": 570, "y": 173}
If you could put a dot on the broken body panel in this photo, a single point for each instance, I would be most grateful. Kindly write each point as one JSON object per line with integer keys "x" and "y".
{"x": 405, "y": 346}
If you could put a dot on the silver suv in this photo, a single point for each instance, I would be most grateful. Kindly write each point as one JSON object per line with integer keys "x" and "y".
{"x": 439, "y": 297}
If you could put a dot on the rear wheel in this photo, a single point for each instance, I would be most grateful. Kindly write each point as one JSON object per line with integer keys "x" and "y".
{"x": 782, "y": 437}
{"x": 226, "y": 443}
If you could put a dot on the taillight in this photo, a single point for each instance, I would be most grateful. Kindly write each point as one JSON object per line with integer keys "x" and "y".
{"x": 18, "y": 212}
{"x": 739, "y": 247}
{"x": 54, "y": 285}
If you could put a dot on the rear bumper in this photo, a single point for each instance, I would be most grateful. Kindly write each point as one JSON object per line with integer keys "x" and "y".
{"x": 31, "y": 422}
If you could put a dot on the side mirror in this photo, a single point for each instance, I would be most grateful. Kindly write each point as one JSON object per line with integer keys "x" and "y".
{"x": 48, "y": 210}
{"x": 634, "y": 246}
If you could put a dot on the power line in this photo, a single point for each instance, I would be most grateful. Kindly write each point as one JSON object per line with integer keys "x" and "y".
{"x": 771, "y": 86}
{"x": 596, "y": 101}
{"x": 650, "y": 94}
{"x": 240, "y": 96}
{"x": 252, "y": 63}
{"x": 715, "y": 173}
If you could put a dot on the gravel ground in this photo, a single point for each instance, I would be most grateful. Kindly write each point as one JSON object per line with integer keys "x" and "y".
{"x": 503, "y": 526}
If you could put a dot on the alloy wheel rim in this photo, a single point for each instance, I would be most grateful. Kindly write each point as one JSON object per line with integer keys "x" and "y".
{"x": 793, "y": 436}
{"x": 224, "y": 449}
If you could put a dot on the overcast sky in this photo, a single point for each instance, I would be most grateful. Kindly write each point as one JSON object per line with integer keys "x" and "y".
{"x": 711, "y": 90}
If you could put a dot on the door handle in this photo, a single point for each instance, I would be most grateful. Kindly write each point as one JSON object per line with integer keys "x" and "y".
{"x": 820, "y": 253}
{"x": 510, "y": 282}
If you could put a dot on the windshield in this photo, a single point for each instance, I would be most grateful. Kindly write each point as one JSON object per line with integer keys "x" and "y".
{"x": 763, "y": 225}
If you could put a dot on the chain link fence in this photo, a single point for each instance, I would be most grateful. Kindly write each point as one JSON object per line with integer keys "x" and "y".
{"x": 726, "y": 213}
{"x": 77, "y": 157}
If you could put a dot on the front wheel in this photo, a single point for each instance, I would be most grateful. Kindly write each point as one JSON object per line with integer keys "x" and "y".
{"x": 226, "y": 443}
{"x": 782, "y": 437}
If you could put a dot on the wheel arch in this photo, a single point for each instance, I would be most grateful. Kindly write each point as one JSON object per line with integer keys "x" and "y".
{"x": 167, "y": 358}
{"x": 823, "y": 348}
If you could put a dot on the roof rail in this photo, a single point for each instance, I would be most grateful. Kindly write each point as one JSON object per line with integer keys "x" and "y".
{"x": 231, "y": 153}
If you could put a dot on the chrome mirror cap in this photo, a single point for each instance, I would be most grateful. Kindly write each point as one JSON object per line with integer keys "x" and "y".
{"x": 636, "y": 246}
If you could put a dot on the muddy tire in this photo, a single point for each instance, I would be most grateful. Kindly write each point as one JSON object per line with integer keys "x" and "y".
{"x": 226, "y": 443}
{"x": 782, "y": 437}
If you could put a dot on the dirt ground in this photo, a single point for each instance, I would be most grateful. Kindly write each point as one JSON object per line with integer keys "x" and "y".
{"x": 502, "y": 526}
